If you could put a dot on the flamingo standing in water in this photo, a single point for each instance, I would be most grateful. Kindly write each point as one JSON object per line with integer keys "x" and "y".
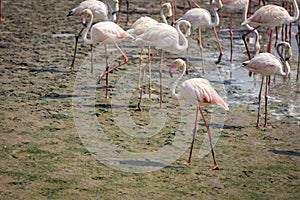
{"x": 196, "y": 91}
{"x": 271, "y": 16}
{"x": 140, "y": 26}
{"x": 104, "y": 32}
{"x": 200, "y": 18}
{"x": 267, "y": 64}
{"x": 100, "y": 13}
{"x": 165, "y": 37}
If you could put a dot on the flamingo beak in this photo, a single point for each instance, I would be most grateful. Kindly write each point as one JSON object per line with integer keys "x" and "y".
{"x": 83, "y": 22}
{"x": 171, "y": 70}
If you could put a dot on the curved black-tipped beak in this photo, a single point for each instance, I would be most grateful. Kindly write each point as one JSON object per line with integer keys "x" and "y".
{"x": 69, "y": 14}
{"x": 114, "y": 12}
{"x": 168, "y": 17}
{"x": 171, "y": 75}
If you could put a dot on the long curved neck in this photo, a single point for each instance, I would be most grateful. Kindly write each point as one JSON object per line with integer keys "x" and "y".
{"x": 181, "y": 36}
{"x": 163, "y": 17}
{"x": 174, "y": 85}
{"x": 85, "y": 31}
{"x": 113, "y": 12}
{"x": 296, "y": 11}
{"x": 217, "y": 19}
{"x": 284, "y": 60}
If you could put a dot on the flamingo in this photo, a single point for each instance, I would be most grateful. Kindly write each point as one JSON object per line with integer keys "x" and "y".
{"x": 198, "y": 92}
{"x": 100, "y": 13}
{"x": 232, "y": 6}
{"x": 104, "y": 32}
{"x": 267, "y": 64}
{"x": 140, "y": 26}
{"x": 200, "y": 18}
{"x": 271, "y": 16}
{"x": 127, "y": 13}
{"x": 165, "y": 37}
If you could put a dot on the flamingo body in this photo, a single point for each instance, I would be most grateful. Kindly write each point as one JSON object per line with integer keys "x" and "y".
{"x": 197, "y": 91}
{"x": 198, "y": 17}
{"x": 233, "y": 5}
{"x": 270, "y": 16}
{"x": 266, "y": 64}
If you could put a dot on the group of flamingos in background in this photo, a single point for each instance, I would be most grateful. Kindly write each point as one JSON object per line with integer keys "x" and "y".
{"x": 176, "y": 38}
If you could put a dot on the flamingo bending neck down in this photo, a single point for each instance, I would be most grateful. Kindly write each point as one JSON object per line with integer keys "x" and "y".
{"x": 165, "y": 37}
{"x": 104, "y": 32}
{"x": 267, "y": 64}
{"x": 196, "y": 91}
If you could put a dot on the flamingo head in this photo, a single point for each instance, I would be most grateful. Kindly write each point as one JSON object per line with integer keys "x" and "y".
{"x": 86, "y": 13}
{"x": 177, "y": 63}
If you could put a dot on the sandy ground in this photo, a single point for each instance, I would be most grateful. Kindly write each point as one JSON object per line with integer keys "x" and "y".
{"x": 44, "y": 154}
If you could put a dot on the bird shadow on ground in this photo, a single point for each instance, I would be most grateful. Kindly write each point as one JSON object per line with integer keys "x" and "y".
{"x": 287, "y": 153}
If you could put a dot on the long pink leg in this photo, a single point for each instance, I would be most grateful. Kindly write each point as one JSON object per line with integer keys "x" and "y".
{"x": 120, "y": 64}
{"x": 210, "y": 142}
{"x": 160, "y": 76}
{"x": 174, "y": 12}
{"x": 298, "y": 43}
{"x": 197, "y": 5}
{"x": 266, "y": 103}
{"x": 193, "y": 140}
{"x": 127, "y": 17}
{"x": 231, "y": 37}
{"x": 259, "y": 101}
{"x": 219, "y": 44}
{"x": 107, "y": 68}
{"x": 118, "y": 14}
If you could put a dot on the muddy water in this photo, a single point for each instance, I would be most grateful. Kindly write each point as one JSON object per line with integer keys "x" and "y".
{"x": 45, "y": 155}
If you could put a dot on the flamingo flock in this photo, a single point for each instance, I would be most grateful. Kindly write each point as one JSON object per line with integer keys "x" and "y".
{"x": 176, "y": 37}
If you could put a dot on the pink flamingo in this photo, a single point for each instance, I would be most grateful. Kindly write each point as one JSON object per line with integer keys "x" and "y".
{"x": 140, "y": 26}
{"x": 165, "y": 37}
{"x": 200, "y": 18}
{"x": 104, "y": 32}
{"x": 100, "y": 13}
{"x": 271, "y": 16}
{"x": 196, "y": 91}
{"x": 267, "y": 64}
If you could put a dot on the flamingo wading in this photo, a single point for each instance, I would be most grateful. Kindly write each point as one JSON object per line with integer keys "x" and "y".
{"x": 267, "y": 64}
{"x": 104, "y": 32}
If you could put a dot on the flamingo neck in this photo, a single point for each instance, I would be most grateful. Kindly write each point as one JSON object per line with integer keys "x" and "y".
{"x": 164, "y": 19}
{"x": 181, "y": 36}
{"x": 174, "y": 85}
{"x": 284, "y": 59}
{"x": 217, "y": 19}
{"x": 85, "y": 31}
{"x": 296, "y": 11}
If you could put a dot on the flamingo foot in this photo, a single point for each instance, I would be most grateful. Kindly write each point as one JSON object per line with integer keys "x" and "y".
{"x": 2, "y": 19}
{"x": 268, "y": 126}
{"x": 216, "y": 167}
{"x": 128, "y": 23}
{"x": 187, "y": 163}
{"x": 152, "y": 89}
{"x": 220, "y": 58}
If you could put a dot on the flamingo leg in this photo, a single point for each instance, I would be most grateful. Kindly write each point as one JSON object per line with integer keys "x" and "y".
{"x": 197, "y": 5}
{"x": 118, "y": 14}
{"x": 150, "y": 73}
{"x": 75, "y": 48}
{"x": 199, "y": 40}
{"x": 210, "y": 142}
{"x": 107, "y": 68}
{"x": 276, "y": 37}
{"x": 141, "y": 91}
{"x": 141, "y": 63}
{"x": 120, "y": 64}
{"x": 127, "y": 17}
{"x": 231, "y": 37}
{"x": 92, "y": 58}
{"x": 270, "y": 40}
{"x": 259, "y": 101}
{"x": 266, "y": 103}
{"x": 298, "y": 43}
{"x": 249, "y": 9}
{"x": 189, "y": 162}
{"x": 219, "y": 44}
{"x": 245, "y": 42}
{"x": 160, "y": 76}
{"x": 174, "y": 12}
